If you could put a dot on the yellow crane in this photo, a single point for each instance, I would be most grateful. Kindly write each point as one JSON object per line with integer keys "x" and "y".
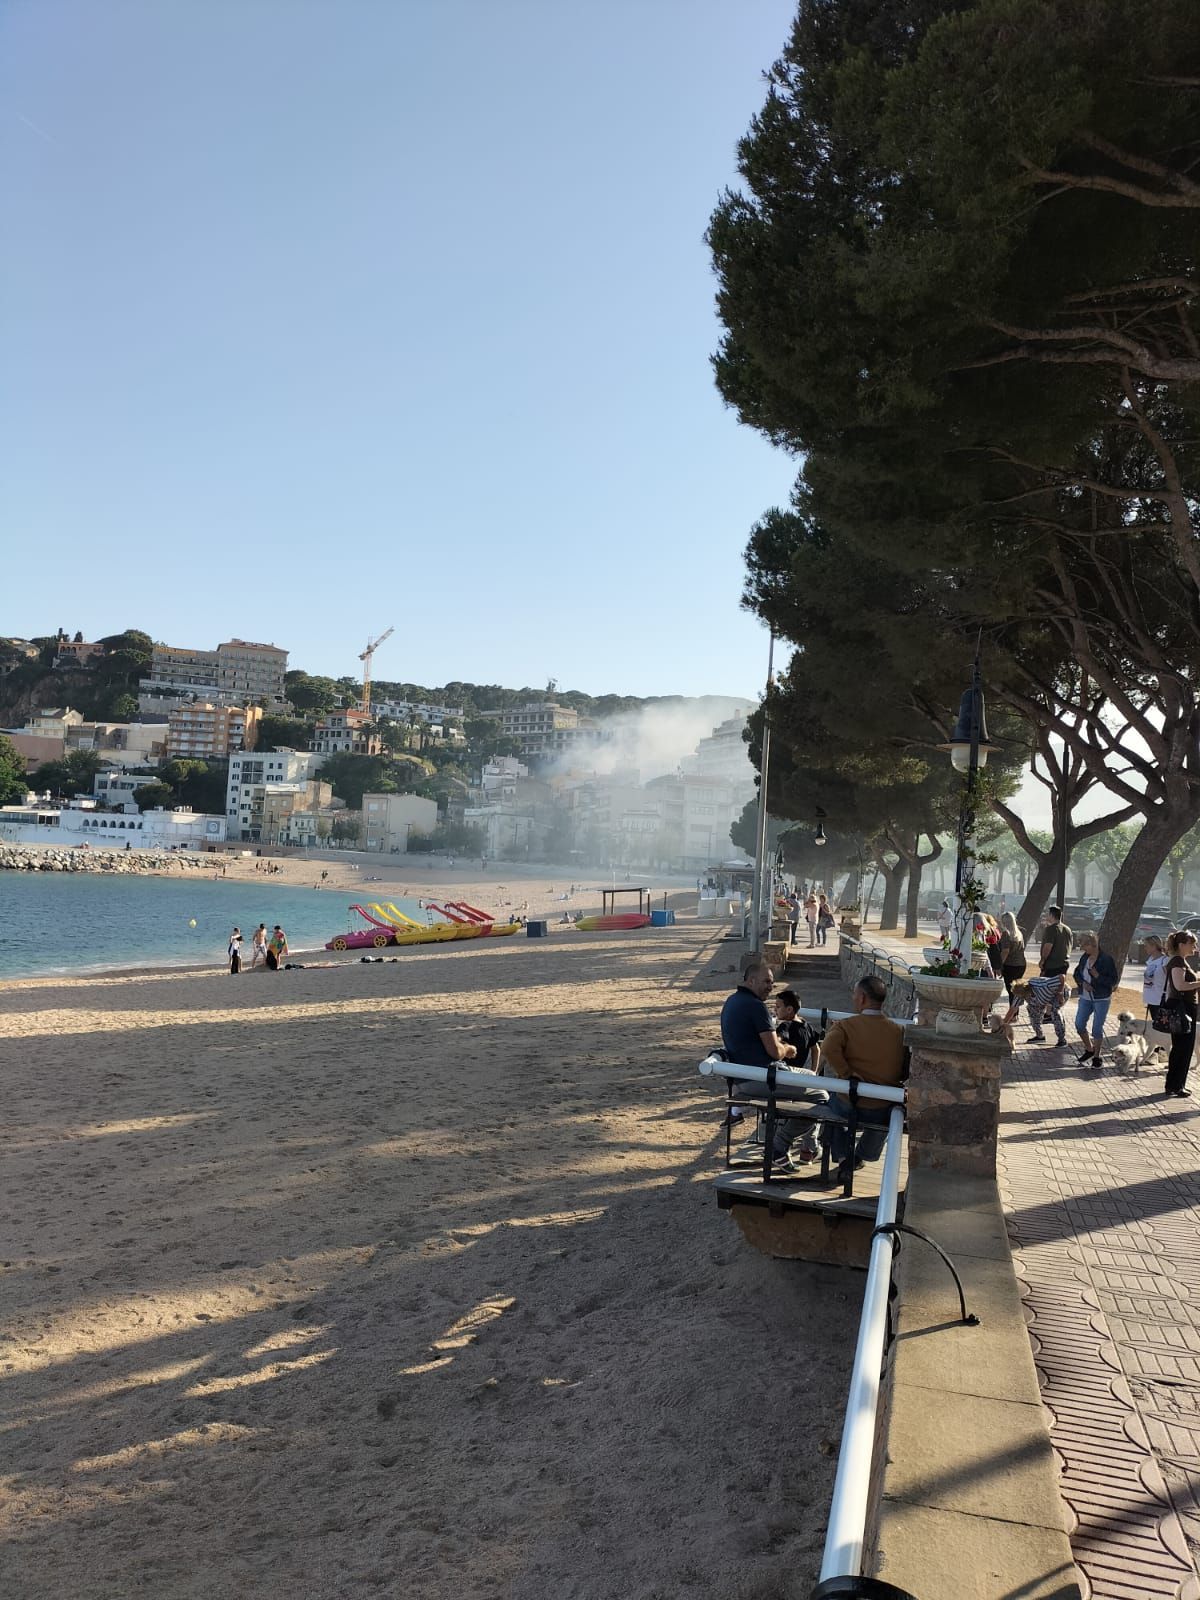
{"x": 366, "y": 658}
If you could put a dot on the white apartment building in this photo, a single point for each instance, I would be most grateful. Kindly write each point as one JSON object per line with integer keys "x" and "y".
{"x": 251, "y": 774}
{"x": 415, "y": 711}
{"x": 724, "y": 755}
{"x": 697, "y": 814}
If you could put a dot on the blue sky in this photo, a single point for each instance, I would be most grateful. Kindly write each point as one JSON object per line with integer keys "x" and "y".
{"x": 318, "y": 316}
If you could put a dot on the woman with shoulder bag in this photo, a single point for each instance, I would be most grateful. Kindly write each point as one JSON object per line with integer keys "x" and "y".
{"x": 1012, "y": 952}
{"x": 1178, "y": 1011}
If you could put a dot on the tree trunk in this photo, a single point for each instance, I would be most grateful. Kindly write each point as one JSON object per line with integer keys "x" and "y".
{"x": 893, "y": 882}
{"x": 1037, "y": 896}
{"x": 912, "y": 907}
{"x": 1162, "y": 831}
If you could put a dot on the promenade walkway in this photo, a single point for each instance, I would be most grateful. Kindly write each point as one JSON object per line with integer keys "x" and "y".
{"x": 1100, "y": 1178}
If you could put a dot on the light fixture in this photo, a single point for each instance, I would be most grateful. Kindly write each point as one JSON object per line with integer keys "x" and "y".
{"x": 819, "y": 836}
{"x": 959, "y": 744}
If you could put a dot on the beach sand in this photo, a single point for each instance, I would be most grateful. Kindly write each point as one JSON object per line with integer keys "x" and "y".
{"x": 400, "y": 1279}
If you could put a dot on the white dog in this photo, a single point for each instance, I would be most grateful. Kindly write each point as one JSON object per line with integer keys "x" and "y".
{"x": 1132, "y": 1049}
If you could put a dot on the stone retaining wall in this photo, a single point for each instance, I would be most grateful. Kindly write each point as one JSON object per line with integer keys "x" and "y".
{"x": 860, "y": 960}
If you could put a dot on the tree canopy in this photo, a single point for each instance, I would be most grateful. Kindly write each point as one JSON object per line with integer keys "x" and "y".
{"x": 960, "y": 280}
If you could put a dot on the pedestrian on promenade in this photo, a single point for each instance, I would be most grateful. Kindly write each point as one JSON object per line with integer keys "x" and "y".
{"x": 825, "y": 918}
{"x": 1182, "y": 981}
{"x": 1096, "y": 977}
{"x": 1154, "y": 978}
{"x": 811, "y": 912}
{"x": 1039, "y": 996}
{"x": 235, "y": 951}
{"x": 945, "y": 919}
{"x": 1057, "y": 940}
{"x": 794, "y": 908}
{"x": 1012, "y": 952}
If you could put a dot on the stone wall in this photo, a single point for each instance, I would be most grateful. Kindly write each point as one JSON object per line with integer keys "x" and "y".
{"x": 860, "y": 960}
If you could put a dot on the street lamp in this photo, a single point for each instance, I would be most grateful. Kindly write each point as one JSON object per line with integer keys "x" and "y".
{"x": 819, "y": 836}
{"x": 969, "y": 749}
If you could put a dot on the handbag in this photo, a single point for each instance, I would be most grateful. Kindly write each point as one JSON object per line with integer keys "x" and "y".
{"x": 1171, "y": 1019}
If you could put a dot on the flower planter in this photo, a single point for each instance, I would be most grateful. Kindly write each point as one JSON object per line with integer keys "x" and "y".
{"x": 851, "y": 927}
{"x": 960, "y": 1001}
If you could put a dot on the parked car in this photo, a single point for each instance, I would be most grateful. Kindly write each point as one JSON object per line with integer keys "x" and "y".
{"x": 1150, "y": 923}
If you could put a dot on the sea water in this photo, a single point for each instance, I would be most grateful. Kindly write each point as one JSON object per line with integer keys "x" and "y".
{"x": 54, "y": 922}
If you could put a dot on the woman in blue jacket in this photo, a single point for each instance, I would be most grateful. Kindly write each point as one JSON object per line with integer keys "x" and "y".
{"x": 1096, "y": 977}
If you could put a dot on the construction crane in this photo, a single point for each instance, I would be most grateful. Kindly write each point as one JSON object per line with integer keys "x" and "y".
{"x": 366, "y": 658}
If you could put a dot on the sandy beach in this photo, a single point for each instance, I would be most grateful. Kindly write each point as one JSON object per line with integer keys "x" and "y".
{"x": 399, "y": 1279}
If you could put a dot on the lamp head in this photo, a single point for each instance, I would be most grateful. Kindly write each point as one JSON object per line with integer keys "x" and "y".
{"x": 959, "y": 744}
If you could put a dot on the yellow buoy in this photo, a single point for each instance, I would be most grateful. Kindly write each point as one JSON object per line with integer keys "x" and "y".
{"x": 191, "y": 922}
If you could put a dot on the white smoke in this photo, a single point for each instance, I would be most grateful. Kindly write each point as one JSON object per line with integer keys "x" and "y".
{"x": 659, "y": 738}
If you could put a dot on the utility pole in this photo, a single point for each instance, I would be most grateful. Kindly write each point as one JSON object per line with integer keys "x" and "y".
{"x": 760, "y": 850}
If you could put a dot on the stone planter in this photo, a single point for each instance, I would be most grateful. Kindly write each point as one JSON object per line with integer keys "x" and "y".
{"x": 852, "y": 927}
{"x": 960, "y": 1001}
{"x": 933, "y": 953}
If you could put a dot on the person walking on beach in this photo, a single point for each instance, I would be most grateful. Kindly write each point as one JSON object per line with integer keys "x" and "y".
{"x": 1179, "y": 1001}
{"x": 1096, "y": 977}
{"x": 277, "y": 948}
{"x": 235, "y": 951}
{"x": 811, "y": 912}
{"x": 259, "y": 946}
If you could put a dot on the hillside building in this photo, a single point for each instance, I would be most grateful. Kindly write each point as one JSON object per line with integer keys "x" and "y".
{"x": 349, "y": 732}
{"x": 251, "y": 775}
{"x": 207, "y": 732}
{"x": 389, "y": 821}
{"x": 237, "y": 672}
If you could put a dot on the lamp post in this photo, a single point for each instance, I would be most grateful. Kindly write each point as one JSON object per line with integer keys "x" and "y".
{"x": 969, "y": 749}
{"x": 760, "y": 850}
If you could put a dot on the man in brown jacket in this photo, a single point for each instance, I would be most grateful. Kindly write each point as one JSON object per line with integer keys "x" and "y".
{"x": 870, "y": 1047}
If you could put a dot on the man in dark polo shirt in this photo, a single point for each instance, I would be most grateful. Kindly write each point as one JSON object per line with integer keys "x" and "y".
{"x": 749, "y": 1036}
{"x": 1057, "y": 939}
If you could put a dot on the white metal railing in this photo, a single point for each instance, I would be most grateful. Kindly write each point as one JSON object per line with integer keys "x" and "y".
{"x": 846, "y": 1533}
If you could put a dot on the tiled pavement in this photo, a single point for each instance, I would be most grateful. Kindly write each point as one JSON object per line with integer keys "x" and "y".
{"x": 1101, "y": 1183}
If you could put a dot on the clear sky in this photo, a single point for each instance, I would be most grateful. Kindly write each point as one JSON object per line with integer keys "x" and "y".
{"x": 318, "y": 316}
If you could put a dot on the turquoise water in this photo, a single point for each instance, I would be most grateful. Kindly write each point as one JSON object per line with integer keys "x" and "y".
{"x": 70, "y": 922}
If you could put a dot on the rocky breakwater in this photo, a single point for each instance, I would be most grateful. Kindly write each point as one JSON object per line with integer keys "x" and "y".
{"x": 24, "y": 858}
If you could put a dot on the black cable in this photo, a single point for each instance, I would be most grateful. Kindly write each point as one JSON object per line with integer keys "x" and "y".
{"x": 895, "y": 1229}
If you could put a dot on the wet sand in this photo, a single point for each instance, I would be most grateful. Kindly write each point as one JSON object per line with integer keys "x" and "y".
{"x": 399, "y": 1279}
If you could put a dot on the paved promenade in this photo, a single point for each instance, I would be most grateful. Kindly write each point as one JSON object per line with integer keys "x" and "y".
{"x": 1100, "y": 1178}
{"x": 1101, "y": 1183}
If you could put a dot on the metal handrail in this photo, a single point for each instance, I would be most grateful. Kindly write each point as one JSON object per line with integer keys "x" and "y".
{"x": 846, "y": 1532}
{"x": 714, "y": 1067}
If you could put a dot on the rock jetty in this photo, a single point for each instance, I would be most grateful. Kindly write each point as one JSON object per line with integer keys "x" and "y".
{"x": 25, "y": 858}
